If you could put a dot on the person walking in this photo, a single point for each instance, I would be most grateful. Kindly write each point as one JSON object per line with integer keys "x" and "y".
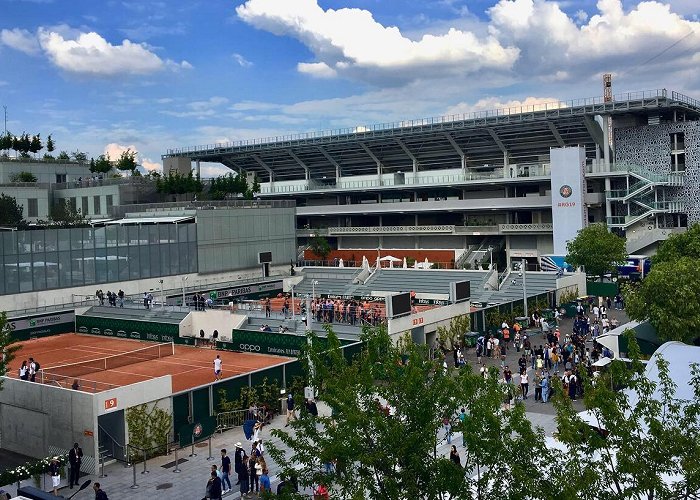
{"x": 75, "y": 457}
{"x": 239, "y": 458}
{"x": 290, "y": 409}
{"x": 225, "y": 471}
{"x": 213, "y": 487}
{"x": 265, "y": 485}
{"x": 243, "y": 480}
{"x": 33, "y": 369}
{"x": 524, "y": 382}
{"x": 454, "y": 456}
{"x": 218, "y": 365}
{"x": 254, "y": 483}
{"x": 99, "y": 494}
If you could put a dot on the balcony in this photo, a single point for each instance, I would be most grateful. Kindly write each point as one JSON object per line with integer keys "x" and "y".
{"x": 545, "y": 227}
{"x": 500, "y": 229}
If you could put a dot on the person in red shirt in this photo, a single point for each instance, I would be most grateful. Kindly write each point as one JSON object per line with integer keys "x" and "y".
{"x": 321, "y": 493}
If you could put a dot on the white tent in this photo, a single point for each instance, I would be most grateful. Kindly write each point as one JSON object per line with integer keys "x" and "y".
{"x": 405, "y": 265}
{"x": 390, "y": 258}
{"x": 379, "y": 264}
{"x": 341, "y": 263}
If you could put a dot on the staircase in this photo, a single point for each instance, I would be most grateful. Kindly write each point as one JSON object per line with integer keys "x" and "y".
{"x": 641, "y": 195}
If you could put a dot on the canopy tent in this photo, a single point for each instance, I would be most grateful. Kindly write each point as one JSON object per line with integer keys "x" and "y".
{"x": 341, "y": 263}
{"x": 616, "y": 341}
{"x": 390, "y": 258}
{"x": 405, "y": 264}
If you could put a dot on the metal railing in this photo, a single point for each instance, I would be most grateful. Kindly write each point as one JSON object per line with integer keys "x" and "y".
{"x": 229, "y": 419}
{"x": 116, "y": 450}
{"x": 113, "y": 181}
{"x": 118, "y": 211}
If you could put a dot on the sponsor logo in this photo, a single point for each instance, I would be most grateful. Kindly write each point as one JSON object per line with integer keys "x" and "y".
{"x": 108, "y": 332}
{"x": 152, "y": 336}
{"x": 95, "y": 330}
{"x": 249, "y": 347}
{"x": 286, "y": 352}
{"x": 197, "y": 430}
{"x": 166, "y": 338}
{"x": 32, "y": 322}
{"x": 121, "y": 333}
{"x": 565, "y": 191}
{"x": 135, "y": 335}
{"x": 83, "y": 329}
{"x": 566, "y": 204}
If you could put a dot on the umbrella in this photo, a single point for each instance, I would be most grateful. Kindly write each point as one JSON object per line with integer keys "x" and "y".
{"x": 391, "y": 264}
{"x": 390, "y": 258}
{"x": 365, "y": 263}
{"x": 341, "y": 263}
{"x": 405, "y": 265}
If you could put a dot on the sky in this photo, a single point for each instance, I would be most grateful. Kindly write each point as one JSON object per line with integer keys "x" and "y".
{"x": 102, "y": 76}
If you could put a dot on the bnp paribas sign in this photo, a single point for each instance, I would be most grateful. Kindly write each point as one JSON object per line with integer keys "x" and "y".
{"x": 568, "y": 181}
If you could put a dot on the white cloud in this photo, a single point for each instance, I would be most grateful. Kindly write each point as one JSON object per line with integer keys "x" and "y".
{"x": 199, "y": 109}
{"x": 242, "y": 61}
{"x": 113, "y": 150}
{"x": 91, "y": 54}
{"x": 21, "y": 40}
{"x": 151, "y": 166}
{"x": 505, "y": 107}
{"x": 352, "y": 43}
{"x": 318, "y": 70}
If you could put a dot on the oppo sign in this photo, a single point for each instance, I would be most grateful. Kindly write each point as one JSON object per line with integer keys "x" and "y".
{"x": 249, "y": 347}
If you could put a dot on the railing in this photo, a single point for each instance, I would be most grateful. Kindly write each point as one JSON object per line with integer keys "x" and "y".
{"x": 230, "y": 419}
{"x": 567, "y": 107}
{"x": 114, "y": 181}
{"x": 35, "y": 185}
{"x": 545, "y": 227}
{"x": 121, "y": 210}
{"x": 116, "y": 450}
{"x": 20, "y": 159}
{"x": 392, "y": 229}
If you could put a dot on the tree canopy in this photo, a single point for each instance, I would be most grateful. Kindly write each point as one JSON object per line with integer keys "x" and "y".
{"x": 224, "y": 185}
{"x": 64, "y": 213}
{"x": 127, "y": 161}
{"x": 596, "y": 249}
{"x": 23, "y": 177}
{"x": 11, "y": 213}
{"x": 100, "y": 165}
{"x": 320, "y": 246}
{"x": 176, "y": 183}
{"x": 679, "y": 245}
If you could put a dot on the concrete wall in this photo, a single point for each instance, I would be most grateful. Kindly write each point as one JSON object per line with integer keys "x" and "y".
{"x": 429, "y": 320}
{"x": 231, "y": 238}
{"x": 90, "y": 193}
{"x": 177, "y": 164}
{"x": 23, "y": 194}
{"x": 43, "y": 171}
{"x": 40, "y": 420}
{"x": 569, "y": 282}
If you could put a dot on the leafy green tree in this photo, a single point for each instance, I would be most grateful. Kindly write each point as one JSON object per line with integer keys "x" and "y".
{"x": 319, "y": 245}
{"x": 642, "y": 442}
{"x": 679, "y": 245}
{"x": 50, "y": 145}
{"x": 450, "y": 337}
{"x": 23, "y": 177}
{"x": 101, "y": 165}
{"x": 10, "y": 212}
{"x": 78, "y": 156}
{"x": 64, "y": 213}
{"x": 668, "y": 298}
{"x": 63, "y": 155}
{"x": 35, "y": 144}
{"x": 176, "y": 183}
{"x": 6, "y": 141}
{"x": 388, "y": 406}
{"x": 127, "y": 161}
{"x": 597, "y": 250}
{"x": 223, "y": 186}
{"x": 8, "y": 345}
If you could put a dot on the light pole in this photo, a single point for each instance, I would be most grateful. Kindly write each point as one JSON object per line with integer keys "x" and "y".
{"x": 313, "y": 289}
{"x": 490, "y": 257}
{"x": 182, "y": 280}
{"x": 162, "y": 297}
{"x": 293, "y": 314}
{"x": 523, "y": 268}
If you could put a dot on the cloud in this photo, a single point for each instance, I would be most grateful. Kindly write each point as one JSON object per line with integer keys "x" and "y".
{"x": 505, "y": 107}
{"x": 151, "y": 166}
{"x": 21, "y": 40}
{"x": 113, "y": 150}
{"x": 199, "y": 109}
{"x": 90, "y": 54}
{"x": 242, "y": 61}
{"x": 350, "y": 42}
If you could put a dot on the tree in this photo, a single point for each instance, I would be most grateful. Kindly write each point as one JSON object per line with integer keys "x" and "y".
{"x": 319, "y": 245}
{"x": 10, "y": 212}
{"x": 597, "y": 250}
{"x": 50, "y": 145}
{"x": 127, "y": 161}
{"x": 7, "y": 345}
{"x": 23, "y": 177}
{"x": 102, "y": 165}
{"x": 6, "y": 141}
{"x": 668, "y": 298}
{"x": 78, "y": 156}
{"x": 450, "y": 337}
{"x": 63, "y": 155}
{"x": 680, "y": 245}
{"x": 641, "y": 442}
{"x": 35, "y": 144}
{"x": 65, "y": 214}
{"x": 388, "y": 406}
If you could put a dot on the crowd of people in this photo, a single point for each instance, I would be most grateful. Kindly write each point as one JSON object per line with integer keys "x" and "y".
{"x": 352, "y": 312}
{"x": 112, "y": 298}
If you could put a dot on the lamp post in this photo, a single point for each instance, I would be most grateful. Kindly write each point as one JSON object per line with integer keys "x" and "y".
{"x": 313, "y": 289}
{"x": 162, "y": 296}
{"x": 182, "y": 280}
{"x": 490, "y": 257}
{"x": 523, "y": 268}
{"x": 293, "y": 314}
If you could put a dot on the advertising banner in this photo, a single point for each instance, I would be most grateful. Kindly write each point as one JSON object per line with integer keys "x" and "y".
{"x": 278, "y": 344}
{"x": 129, "y": 329}
{"x": 42, "y": 325}
{"x": 568, "y": 181}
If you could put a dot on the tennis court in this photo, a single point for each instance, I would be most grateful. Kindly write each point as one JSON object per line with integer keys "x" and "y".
{"x": 99, "y": 363}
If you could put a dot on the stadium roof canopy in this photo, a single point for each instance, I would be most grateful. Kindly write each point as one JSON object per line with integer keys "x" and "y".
{"x": 525, "y": 133}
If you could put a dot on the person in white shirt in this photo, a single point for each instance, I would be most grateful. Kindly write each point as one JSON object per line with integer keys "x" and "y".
{"x": 596, "y": 312}
{"x": 217, "y": 368}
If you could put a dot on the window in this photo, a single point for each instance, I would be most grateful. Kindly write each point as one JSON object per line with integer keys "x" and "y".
{"x": 60, "y": 178}
{"x": 32, "y": 207}
{"x": 110, "y": 203}
{"x": 96, "y": 204}
{"x": 678, "y": 141}
{"x": 678, "y": 162}
{"x": 85, "y": 205}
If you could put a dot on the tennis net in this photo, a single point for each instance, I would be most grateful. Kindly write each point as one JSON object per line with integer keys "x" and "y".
{"x": 72, "y": 370}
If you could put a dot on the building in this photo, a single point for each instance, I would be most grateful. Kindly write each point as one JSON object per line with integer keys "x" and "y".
{"x": 521, "y": 179}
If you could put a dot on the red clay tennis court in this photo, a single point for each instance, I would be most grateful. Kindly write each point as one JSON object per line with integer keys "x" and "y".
{"x": 133, "y": 360}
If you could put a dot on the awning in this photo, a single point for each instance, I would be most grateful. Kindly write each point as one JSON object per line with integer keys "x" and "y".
{"x": 149, "y": 220}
